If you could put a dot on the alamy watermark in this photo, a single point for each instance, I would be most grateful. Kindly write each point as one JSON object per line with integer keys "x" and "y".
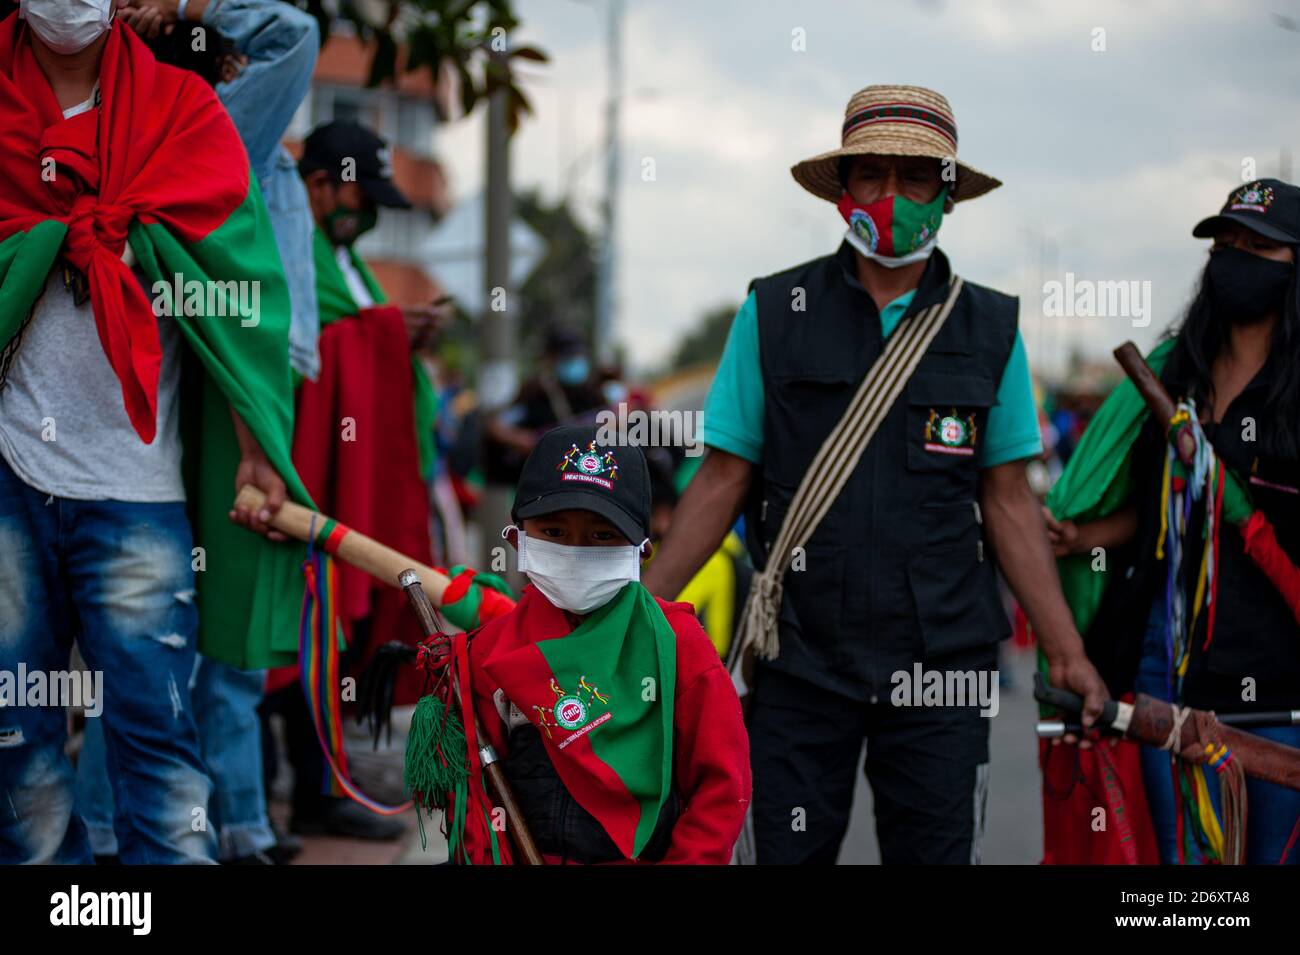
{"x": 191, "y": 297}
{"x": 80, "y": 688}
{"x": 921, "y": 687}
{"x": 133, "y": 910}
{"x": 651, "y": 429}
{"x": 1088, "y": 298}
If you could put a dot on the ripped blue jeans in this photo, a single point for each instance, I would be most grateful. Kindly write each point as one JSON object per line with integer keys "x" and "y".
{"x": 116, "y": 578}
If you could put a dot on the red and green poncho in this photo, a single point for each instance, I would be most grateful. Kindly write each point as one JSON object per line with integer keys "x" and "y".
{"x": 158, "y": 167}
{"x": 335, "y": 301}
{"x": 601, "y": 695}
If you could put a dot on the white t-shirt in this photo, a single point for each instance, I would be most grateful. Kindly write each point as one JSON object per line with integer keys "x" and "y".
{"x": 63, "y": 426}
{"x": 356, "y": 284}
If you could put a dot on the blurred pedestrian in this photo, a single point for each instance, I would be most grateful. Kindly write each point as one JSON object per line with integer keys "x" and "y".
{"x": 363, "y": 441}
{"x": 565, "y": 390}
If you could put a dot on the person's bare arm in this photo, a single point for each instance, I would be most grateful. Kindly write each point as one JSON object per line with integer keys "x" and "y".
{"x": 1113, "y": 530}
{"x": 712, "y": 502}
{"x": 1013, "y": 521}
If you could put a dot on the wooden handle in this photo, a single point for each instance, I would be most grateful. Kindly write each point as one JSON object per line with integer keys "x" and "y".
{"x": 355, "y": 548}
{"x": 1260, "y": 757}
{"x": 1148, "y": 385}
{"x": 503, "y": 794}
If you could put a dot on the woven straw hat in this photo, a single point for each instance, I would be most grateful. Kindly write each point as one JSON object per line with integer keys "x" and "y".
{"x": 893, "y": 121}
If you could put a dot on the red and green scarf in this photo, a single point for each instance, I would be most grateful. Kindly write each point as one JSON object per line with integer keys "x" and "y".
{"x": 335, "y": 301}
{"x": 159, "y": 167}
{"x": 602, "y": 698}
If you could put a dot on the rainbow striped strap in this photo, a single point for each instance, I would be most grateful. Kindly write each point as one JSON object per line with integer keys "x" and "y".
{"x": 318, "y": 665}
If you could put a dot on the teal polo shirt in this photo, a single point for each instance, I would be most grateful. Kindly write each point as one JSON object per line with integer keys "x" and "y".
{"x": 733, "y": 410}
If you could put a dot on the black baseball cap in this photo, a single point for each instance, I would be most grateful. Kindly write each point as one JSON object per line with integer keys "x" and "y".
{"x": 1270, "y": 207}
{"x": 328, "y": 145}
{"x": 562, "y": 340}
{"x": 570, "y": 469}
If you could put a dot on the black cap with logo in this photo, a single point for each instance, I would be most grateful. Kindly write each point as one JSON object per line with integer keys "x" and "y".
{"x": 571, "y": 470}
{"x": 1270, "y": 207}
{"x": 329, "y": 145}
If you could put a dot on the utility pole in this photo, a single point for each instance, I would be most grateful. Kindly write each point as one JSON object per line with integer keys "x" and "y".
{"x": 498, "y": 373}
{"x": 606, "y": 273}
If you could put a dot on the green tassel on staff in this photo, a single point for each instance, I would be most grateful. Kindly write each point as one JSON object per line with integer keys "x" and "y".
{"x": 436, "y": 766}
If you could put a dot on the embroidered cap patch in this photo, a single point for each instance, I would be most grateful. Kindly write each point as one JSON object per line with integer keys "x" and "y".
{"x": 1254, "y": 197}
{"x": 590, "y": 466}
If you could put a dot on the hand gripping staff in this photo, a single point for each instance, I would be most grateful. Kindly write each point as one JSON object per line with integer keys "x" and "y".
{"x": 466, "y": 601}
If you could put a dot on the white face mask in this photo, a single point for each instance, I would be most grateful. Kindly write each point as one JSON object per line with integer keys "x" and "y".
{"x": 67, "y": 26}
{"x": 891, "y": 261}
{"x": 578, "y": 579}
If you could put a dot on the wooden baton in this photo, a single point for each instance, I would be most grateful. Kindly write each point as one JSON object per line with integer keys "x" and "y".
{"x": 353, "y": 547}
{"x": 1148, "y": 385}
{"x": 1154, "y": 394}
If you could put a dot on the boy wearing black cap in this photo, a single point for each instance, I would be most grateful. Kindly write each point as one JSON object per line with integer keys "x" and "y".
{"x": 618, "y": 727}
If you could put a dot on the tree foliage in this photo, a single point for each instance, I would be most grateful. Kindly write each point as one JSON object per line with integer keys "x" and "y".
{"x": 467, "y": 37}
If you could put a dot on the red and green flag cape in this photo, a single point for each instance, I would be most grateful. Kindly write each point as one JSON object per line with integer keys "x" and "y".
{"x": 602, "y": 698}
{"x": 158, "y": 167}
{"x": 336, "y": 301}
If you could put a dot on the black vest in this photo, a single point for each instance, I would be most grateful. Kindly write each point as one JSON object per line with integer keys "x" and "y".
{"x": 559, "y": 825}
{"x": 897, "y": 571}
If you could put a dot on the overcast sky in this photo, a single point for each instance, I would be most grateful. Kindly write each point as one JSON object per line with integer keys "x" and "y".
{"x": 1107, "y": 157}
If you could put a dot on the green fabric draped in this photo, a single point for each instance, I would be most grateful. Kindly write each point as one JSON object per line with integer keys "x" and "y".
{"x": 249, "y": 588}
{"x": 1098, "y": 481}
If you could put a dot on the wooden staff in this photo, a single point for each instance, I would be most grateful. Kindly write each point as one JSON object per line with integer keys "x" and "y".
{"x": 1148, "y": 385}
{"x": 1154, "y": 394}
{"x": 354, "y": 548}
{"x": 1151, "y": 721}
{"x": 498, "y": 785}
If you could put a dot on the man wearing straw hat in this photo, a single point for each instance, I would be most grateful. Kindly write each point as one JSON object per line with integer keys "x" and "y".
{"x": 870, "y": 418}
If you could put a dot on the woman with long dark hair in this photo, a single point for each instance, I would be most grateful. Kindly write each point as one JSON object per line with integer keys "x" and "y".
{"x": 1235, "y": 362}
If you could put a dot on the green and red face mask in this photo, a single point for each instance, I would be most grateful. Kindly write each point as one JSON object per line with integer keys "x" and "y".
{"x": 893, "y": 231}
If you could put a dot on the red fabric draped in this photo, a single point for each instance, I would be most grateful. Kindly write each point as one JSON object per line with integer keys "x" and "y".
{"x": 354, "y": 447}
{"x": 160, "y": 148}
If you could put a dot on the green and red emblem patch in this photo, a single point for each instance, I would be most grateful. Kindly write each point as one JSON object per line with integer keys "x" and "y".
{"x": 573, "y": 710}
{"x": 950, "y": 433}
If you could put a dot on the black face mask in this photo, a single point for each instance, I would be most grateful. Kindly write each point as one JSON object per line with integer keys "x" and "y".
{"x": 1246, "y": 287}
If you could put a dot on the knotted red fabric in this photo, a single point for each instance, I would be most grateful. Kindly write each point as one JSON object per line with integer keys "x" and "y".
{"x": 159, "y": 148}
